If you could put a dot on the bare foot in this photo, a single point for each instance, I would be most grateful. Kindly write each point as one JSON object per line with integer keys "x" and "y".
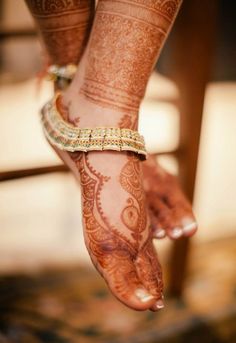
{"x": 170, "y": 211}
{"x": 117, "y": 229}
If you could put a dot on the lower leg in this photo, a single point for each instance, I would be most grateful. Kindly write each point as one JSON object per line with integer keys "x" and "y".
{"x": 64, "y": 27}
{"x": 125, "y": 42}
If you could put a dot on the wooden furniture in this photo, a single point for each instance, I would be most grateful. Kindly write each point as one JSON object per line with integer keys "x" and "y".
{"x": 191, "y": 47}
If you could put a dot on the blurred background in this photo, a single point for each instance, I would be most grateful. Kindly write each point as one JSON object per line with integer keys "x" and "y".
{"x": 49, "y": 291}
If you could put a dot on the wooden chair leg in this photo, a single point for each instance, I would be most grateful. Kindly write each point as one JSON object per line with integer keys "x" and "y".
{"x": 191, "y": 46}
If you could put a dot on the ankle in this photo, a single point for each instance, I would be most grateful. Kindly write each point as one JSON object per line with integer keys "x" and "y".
{"x": 85, "y": 113}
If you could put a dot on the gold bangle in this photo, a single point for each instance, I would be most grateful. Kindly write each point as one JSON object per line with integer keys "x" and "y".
{"x": 67, "y": 137}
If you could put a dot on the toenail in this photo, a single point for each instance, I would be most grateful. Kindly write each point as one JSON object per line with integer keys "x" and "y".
{"x": 189, "y": 225}
{"x": 159, "y": 304}
{"x": 160, "y": 233}
{"x": 176, "y": 232}
{"x": 143, "y": 295}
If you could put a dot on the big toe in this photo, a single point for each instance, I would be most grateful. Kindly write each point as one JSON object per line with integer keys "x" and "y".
{"x": 123, "y": 281}
{"x": 149, "y": 271}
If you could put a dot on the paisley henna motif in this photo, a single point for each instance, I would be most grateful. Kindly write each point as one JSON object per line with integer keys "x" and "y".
{"x": 130, "y": 215}
{"x": 102, "y": 237}
{"x": 107, "y": 247}
{"x": 135, "y": 213}
{"x": 112, "y": 250}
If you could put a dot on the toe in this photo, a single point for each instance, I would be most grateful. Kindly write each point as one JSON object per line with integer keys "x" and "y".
{"x": 156, "y": 228}
{"x": 174, "y": 232}
{"x": 125, "y": 284}
{"x": 160, "y": 216}
{"x": 189, "y": 225}
{"x": 181, "y": 220}
{"x": 149, "y": 271}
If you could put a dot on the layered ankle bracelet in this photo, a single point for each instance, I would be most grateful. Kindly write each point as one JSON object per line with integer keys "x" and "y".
{"x": 67, "y": 137}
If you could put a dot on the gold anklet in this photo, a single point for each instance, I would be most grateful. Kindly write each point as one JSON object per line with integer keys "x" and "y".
{"x": 56, "y": 72}
{"x": 67, "y": 137}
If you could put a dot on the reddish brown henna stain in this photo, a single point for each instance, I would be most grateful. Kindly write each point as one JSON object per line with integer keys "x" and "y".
{"x": 134, "y": 217}
{"x": 64, "y": 26}
{"x": 114, "y": 252}
{"x": 134, "y": 214}
{"x": 168, "y": 205}
{"x": 107, "y": 247}
{"x": 126, "y": 39}
{"x": 129, "y": 121}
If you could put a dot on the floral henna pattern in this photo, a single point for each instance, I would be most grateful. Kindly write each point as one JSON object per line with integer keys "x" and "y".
{"x": 126, "y": 40}
{"x": 114, "y": 252}
{"x": 64, "y": 26}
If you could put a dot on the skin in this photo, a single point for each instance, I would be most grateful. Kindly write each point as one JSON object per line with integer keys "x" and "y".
{"x": 170, "y": 212}
{"x": 107, "y": 91}
{"x": 68, "y": 23}
{"x": 64, "y": 26}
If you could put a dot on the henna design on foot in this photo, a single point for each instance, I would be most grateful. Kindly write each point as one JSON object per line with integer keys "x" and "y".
{"x": 64, "y": 26}
{"x": 113, "y": 250}
{"x": 170, "y": 211}
{"x": 125, "y": 42}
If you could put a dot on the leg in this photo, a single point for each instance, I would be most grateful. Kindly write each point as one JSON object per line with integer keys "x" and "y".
{"x": 124, "y": 44}
{"x": 64, "y": 27}
{"x": 65, "y": 44}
